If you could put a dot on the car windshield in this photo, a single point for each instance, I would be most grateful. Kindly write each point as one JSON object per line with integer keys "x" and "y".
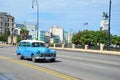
{"x": 38, "y": 44}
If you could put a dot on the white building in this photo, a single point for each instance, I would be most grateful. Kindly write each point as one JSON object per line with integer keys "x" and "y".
{"x": 104, "y": 25}
{"x": 32, "y": 30}
{"x": 57, "y": 31}
{"x": 41, "y": 35}
{"x": 48, "y": 34}
{"x": 17, "y": 31}
{"x": 18, "y": 28}
{"x": 70, "y": 35}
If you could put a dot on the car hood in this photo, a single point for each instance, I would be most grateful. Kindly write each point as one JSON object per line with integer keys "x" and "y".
{"x": 44, "y": 50}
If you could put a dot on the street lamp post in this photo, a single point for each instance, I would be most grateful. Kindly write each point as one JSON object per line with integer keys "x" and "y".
{"x": 35, "y": 2}
{"x": 109, "y": 25}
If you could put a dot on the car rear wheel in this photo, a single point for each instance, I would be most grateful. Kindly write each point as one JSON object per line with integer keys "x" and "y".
{"x": 33, "y": 58}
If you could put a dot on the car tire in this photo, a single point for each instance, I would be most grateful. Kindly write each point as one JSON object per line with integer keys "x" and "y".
{"x": 33, "y": 59}
{"x": 20, "y": 57}
{"x": 52, "y": 60}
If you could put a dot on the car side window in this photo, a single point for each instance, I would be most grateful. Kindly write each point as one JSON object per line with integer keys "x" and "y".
{"x": 42, "y": 45}
{"x": 22, "y": 44}
{"x": 35, "y": 44}
{"x": 28, "y": 44}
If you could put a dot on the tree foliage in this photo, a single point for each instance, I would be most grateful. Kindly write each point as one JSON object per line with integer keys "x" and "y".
{"x": 4, "y": 37}
{"x": 24, "y": 34}
{"x": 115, "y": 40}
{"x": 18, "y": 38}
{"x": 93, "y": 38}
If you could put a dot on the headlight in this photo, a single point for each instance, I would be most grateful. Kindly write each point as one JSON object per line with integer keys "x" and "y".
{"x": 54, "y": 55}
{"x": 38, "y": 53}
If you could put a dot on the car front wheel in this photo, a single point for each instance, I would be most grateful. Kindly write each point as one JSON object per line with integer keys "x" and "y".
{"x": 52, "y": 60}
{"x": 33, "y": 58}
{"x": 20, "y": 57}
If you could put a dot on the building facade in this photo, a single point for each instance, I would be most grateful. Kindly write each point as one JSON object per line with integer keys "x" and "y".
{"x": 7, "y": 22}
{"x": 65, "y": 37}
{"x": 18, "y": 28}
{"x": 57, "y": 31}
{"x": 70, "y": 35}
{"x": 32, "y": 31}
{"x": 41, "y": 35}
{"x": 104, "y": 25}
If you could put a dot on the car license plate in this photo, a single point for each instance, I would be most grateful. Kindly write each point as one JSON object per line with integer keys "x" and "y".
{"x": 47, "y": 57}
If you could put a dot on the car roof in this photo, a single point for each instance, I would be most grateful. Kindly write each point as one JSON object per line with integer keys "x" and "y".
{"x": 31, "y": 41}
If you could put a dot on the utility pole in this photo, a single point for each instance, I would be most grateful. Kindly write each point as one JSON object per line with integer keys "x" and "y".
{"x": 109, "y": 42}
{"x": 35, "y": 2}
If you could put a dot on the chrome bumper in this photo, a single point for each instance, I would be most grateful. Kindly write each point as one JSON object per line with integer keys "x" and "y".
{"x": 45, "y": 58}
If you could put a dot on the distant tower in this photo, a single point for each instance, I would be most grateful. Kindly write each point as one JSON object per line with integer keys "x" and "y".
{"x": 105, "y": 22}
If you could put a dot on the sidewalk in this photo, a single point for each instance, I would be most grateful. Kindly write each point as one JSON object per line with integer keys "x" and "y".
{"x": 5, "y": 45}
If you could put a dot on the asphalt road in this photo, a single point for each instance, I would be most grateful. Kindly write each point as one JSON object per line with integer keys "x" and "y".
{"x": 68, "y": 66}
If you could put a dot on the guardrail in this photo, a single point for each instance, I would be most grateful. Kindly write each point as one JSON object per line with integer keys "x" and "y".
{"x": 85, "y": 49}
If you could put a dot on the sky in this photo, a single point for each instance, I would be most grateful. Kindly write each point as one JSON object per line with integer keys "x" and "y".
{"x": 69, "y": 14}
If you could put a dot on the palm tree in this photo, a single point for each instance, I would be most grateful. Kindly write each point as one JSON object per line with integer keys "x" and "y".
{"x": 24, "y": 34}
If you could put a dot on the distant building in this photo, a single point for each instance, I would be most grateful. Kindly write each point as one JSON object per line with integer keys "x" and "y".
{"x": 16, "y": 31}
{"x": 105, "y": 22}
{"x": 7, "y": 22}
{"x": 65, "y": 37}
{"x": 32, "y": 31}
{"x": 55, "y": 39}
{"x": 70, "y": 35}
{"x": 18, "y": 27}
{"x": 22, "y": 26}
{"x": 104, "y": 25}
{"x": 41, "y": 35}
{"x": 57, "y": 32}
{"x": 48, "y": 36}
{"x": 31, "y": 28}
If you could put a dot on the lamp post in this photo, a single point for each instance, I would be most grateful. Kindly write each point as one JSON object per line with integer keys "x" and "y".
{"x": 35, "y": 2}
{"x": 109, "y": 25}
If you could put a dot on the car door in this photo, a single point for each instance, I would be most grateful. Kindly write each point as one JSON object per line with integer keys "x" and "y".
{"x": 21, "y": 48}
{"x": 28, "y": 50}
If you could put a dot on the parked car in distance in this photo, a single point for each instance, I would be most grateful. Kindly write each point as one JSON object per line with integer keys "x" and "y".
{"x": 35, "y": 50}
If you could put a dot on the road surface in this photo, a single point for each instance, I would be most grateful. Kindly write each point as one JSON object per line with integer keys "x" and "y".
{"x": 68, "y": 66}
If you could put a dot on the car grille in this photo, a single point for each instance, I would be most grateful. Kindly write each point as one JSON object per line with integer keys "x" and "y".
{"x": 47, "y": 55}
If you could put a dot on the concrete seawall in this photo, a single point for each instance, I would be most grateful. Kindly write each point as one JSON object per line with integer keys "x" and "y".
{"x": 88, "y": 50}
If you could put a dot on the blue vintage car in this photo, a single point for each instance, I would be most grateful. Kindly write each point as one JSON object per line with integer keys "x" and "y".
{"x": 34, "y": 50}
